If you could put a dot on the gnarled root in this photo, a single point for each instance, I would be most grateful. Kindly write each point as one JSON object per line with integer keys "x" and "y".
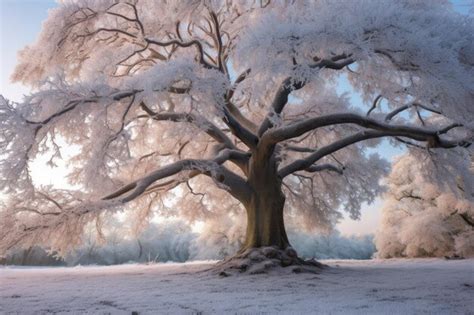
{"x": 267, "y": 260}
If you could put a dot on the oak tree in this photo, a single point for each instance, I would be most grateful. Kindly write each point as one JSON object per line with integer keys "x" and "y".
{"x": 195, "y": 108}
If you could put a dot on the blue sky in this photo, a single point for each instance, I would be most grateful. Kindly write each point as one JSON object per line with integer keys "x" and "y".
{"x": 20, "y": 23}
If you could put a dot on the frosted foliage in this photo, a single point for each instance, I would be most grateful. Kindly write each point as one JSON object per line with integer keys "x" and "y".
{"x": 220, "y": 238}
{"x": 422, "y": 217}
{"x": 174, "y": 240}
{"x": 169, "y": 241}
{"x": 379, "y": 34}
{"x": 179, "y": 108}
{"x": 42, "y": 221}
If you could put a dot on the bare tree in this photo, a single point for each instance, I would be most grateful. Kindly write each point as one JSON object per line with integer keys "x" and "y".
{"x": 168, "y": 98}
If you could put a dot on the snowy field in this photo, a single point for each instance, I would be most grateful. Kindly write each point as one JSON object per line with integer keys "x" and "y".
{"x": 415, "y": 286}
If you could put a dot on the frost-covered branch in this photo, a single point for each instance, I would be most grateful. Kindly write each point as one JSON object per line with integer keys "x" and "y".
{"x": 290, "y": 84}
{"x": 234, "y": 86}
{"x": 239, "y": 118}
{"x": 51, "y": 217}
{"x": 180, "y": 43}
{"x": 237, "y": 186}
{"x": 218, "y": 39}
{"x": 401, "y": 65}
{"x": 325, "y": 167}
{"x": 239, "y": 130}
{"x": 299, "y": 128}
{"x": 201, "y": 122}
{"x": 400, "y": 109}
{"x": 335, "y": 63}
{"x": 408, "y": 132}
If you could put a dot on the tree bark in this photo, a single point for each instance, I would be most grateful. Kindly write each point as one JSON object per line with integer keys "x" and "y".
{"x": 265, "y": 223}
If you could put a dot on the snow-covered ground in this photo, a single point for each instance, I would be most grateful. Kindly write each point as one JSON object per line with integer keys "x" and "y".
{"x": 414, "y": 286}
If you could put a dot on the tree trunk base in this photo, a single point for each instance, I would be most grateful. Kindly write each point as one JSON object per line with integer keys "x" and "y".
{"x": 266, "y": 260}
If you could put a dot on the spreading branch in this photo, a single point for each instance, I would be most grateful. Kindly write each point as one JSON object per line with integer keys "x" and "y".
{"x": 212, "y": 168}
{"x": 400, "y": 109}
{"x": 325, "y": 167}
{"x": 408, "y": 132}
{"x": 239, "y": 130}
{"x": 183, "y": 44}
{"x": 289, "y": 85}
{"x": 200, "y": 121}
{"x": 299, "y": 128}
{"x": 218, "y": 39}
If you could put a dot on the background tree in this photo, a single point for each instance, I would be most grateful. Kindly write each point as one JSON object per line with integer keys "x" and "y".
{"x": 182, "y": 105}
{"x": 425, "y": 217}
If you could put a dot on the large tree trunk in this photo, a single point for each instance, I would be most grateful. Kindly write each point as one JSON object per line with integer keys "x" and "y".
{"x": 266, "y": 245}
{"x": 265, "y": 224}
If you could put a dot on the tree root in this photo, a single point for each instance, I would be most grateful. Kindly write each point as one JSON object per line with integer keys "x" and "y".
{"x": 266, "y": 260}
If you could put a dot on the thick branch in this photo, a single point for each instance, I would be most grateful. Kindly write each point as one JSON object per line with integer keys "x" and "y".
{"x": 241, "y": 119}
{"x": 239, "y": 130}
{"x": 412, "y": 133}
{"x": 296, "y": 148}
{"x": 334, "y": 63}
{"x": 297, "y": 129}
{"x": 279, "y": 101}
{"x": 325, "y": 167}
{"x": 289, "y": 85}
{"x": 409, "y": 66}
{"x": 213, "y": 168}
{"x": 201, "y": 122}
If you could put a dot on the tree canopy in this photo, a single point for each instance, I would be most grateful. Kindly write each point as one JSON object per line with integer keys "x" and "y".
{"x": 197, "y": 108}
